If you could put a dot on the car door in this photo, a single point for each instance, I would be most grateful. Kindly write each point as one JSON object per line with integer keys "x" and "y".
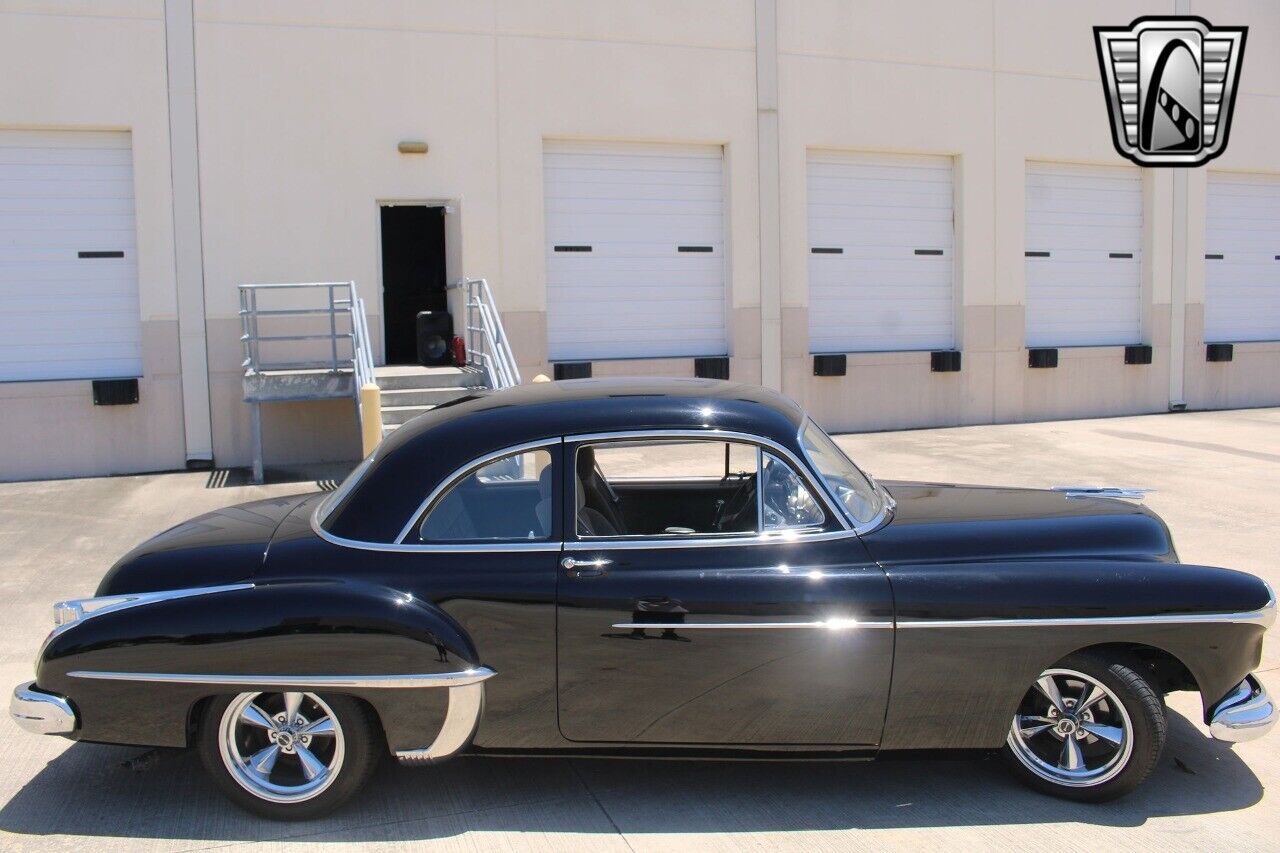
{"x": 753, "y": 637}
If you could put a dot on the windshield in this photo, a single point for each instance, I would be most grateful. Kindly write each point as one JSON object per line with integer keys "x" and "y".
{"x": 850, "y": 486}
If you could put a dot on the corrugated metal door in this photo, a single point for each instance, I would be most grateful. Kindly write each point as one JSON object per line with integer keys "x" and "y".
{"x": 880, "y": 242}
{"x": 635, "y": 251}
{"x": 1083, "y": 255}
{"x": 1242, "y": 259}
{"x": 68, "y": 265}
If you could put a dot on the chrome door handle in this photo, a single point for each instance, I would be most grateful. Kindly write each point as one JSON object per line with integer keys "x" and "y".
{"x": 585, "y": 568}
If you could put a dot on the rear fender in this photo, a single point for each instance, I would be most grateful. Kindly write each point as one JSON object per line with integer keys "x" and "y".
{"x": 135, "y": 674}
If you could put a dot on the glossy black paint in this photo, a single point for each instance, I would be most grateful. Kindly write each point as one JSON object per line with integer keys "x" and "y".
{"x": 322, "y": 606}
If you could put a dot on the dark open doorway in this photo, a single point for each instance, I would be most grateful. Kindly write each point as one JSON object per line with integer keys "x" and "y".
{"x": 413, "y": 275}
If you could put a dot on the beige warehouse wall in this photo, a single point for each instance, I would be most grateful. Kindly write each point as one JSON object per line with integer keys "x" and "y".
{"x": 300, "y": 106}
{"x": 99, "y": 66}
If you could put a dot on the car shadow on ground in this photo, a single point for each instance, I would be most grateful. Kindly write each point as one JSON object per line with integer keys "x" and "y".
{"x": 119, "y": 792}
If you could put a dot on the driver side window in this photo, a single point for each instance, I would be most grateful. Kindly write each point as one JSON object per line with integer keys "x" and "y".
{"x": 681, "y": 488}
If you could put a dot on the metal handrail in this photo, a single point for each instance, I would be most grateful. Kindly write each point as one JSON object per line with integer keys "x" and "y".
{"x": 341, "y": 297}
{"x": 488, "y": 347}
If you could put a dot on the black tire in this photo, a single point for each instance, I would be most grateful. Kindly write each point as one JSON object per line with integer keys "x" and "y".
{"x": 363, "y": 746}
{"x": 1145, "y": 709}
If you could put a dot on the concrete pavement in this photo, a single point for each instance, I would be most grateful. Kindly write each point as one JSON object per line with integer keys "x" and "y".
{"x": 1215, "y": 477}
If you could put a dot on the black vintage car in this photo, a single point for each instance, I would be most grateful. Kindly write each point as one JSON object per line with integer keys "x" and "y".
{"x": 660, "y": 567}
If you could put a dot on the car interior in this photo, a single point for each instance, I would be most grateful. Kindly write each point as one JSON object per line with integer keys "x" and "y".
{"x": 628, "y": 488}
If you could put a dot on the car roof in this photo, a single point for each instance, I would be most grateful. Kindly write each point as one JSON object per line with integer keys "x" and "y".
{"x": 412, "y": 460}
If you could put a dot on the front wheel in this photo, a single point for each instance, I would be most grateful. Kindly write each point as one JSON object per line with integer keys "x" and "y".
{"x": 289, "y": 756}
{"x": 1088, "y": 729}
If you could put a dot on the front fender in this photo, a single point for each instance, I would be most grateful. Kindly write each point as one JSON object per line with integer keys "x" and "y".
{"x": 124, "y": 670}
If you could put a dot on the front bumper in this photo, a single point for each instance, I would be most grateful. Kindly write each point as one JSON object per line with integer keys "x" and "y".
{"x": 40, "y": 712}
{"x": 1246, "y": 713}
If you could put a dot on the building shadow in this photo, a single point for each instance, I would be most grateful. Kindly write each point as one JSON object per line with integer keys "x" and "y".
{"x": 114, "y": 792}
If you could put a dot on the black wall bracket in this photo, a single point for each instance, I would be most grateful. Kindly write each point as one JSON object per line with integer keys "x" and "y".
{"x": 715, "y": 367}
{"x": 572, "y": 370}
{"x": 1137, "y": 354}
{"x": 829, "y": 365}
{"x": 115, "y": 392}
{"x": 1042, "y": 357}
{"x": 945, "y": 361}
{"x": 1219, "y": 352}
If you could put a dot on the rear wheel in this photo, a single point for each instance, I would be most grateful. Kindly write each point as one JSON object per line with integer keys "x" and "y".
{"x": 289, "y": 756}
{"x": 1087, "y": 729}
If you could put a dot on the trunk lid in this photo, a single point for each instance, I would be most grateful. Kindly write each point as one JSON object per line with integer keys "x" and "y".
{"x": 224, "y": 546}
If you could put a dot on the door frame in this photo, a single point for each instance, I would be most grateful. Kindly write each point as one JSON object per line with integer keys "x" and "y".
{"x": 453, "y": 271}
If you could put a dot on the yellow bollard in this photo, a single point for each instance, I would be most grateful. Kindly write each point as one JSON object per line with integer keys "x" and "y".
{"x": 371, "y": 423}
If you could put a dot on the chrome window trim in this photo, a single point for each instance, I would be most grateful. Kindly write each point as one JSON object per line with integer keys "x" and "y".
{"x": 325, "y": 508}
{"x": 707, "y": 540}
{"x": 461, "y": 678}
{"x": 729, "y": 540}
{"x": 449, "y": 482}
{"x": 887, "y": 503}
{"x": 496, "y": 546}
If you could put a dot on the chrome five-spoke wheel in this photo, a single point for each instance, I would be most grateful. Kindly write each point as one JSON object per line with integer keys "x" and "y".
{"x": 281, "y": 747}
{"x": 1071, "y": 730}
{"x": 292, "y": 755}
{"x": 1090, "y": 728}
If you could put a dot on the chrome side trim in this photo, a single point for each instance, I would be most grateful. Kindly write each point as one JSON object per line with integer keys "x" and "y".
{"x": 39, "y": 712}
{"x": 828, "y": 624}
{"x": 128, "y": 600}
{"x": 466, "y": 705}
{"x": 475, "y": 675}
{"x": 1246, "y": 713}
{"x": 1262, "y": 617}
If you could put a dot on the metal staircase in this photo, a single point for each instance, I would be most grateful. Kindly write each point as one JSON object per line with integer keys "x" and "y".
{"x": 310, "y": 341}
{"x": 410, "y": 391}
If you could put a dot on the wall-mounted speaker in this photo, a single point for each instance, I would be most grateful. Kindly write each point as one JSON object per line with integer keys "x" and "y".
{"x": 435, "y": 336}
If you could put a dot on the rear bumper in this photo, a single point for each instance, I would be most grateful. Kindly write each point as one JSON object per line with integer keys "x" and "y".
{"x": 41, "y": 713}
{"x": 1246, "y": 713}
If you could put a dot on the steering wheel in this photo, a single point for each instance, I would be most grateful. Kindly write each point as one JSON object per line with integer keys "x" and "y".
{"x": 737, "y": 502}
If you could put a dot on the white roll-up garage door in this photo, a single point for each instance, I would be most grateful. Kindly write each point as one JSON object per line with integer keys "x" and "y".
{"x": 1242, "y": 259}
{"x": 635, "y": 251}
{"x": 1083, "y": 255}
{"x": 880, "y": 263}
{"x": 68, "y": 265}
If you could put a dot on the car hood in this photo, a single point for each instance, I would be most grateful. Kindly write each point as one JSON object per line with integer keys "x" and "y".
{"x": 220, "y": 547}
{"x": 937, "y": 522}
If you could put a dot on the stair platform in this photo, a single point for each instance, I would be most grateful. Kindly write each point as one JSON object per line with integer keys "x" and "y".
{"x": 411, "y": 390}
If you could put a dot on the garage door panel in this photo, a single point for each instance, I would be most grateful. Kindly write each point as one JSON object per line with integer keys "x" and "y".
{"x": 1088, "y": 290}
{"x": 876, "y": 293}
{"x": 63, "y": 316}
{"x": 1242, "y": 287}
{"x": 634, "y": 293}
